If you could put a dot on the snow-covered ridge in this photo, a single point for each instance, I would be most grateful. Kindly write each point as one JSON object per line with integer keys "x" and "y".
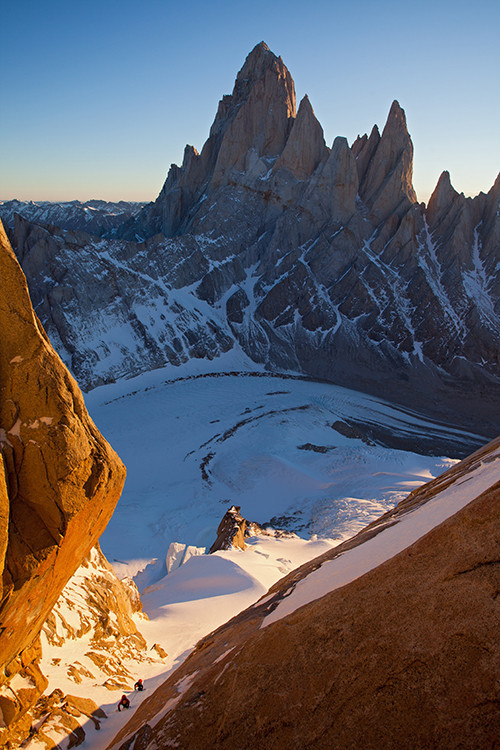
{"x": 392, "y": 538}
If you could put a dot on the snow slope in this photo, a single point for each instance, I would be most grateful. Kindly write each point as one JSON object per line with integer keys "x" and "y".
{"x": 184, "y": 606}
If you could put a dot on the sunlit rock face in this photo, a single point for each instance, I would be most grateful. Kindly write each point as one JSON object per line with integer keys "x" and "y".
{"x": 96, "y": 604}
{"x": 418, "y": 631}
{"x": 60, "y": 480}
{"x": 231, "y": 530}
{"x": 89, "y": 638}
{"x": 309, "y": 258}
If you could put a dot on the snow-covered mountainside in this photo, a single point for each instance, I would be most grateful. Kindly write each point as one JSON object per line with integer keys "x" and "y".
{"x": 313, "y": 457}
{"x": 94, "y": 216}
{"x": 403, "y": 615}
{"x": 307, "y": 258}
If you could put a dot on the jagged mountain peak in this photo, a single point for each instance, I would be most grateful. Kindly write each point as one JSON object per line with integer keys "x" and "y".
{"x": 306, "y": 111}
{"x": 343, "y": 177}
{"x": 257, "y": 133}
{"x": 305, "y": 147}
{"x": 257, "y": 61}
{"x": 443, "y": 193}
{"x": 340, "y": 143}
{"x": 362, "y": 140}
{"x": 306, "y": 103}
{"x": 443, "y": 198}
{"x": 494, "y": 192}
{"x": 386, "y": 185}
{"x": 261, "y": 67}
{"x": 260, "y": 48}
{"x": 363, "y": 149}
{"x": 284, "y": 238}
{"x": 189, "y": 152}
{"x": 396, "y": 119}
{"x": 258, "y": 115}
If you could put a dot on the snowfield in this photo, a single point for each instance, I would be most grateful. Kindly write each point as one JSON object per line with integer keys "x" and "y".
{"x": 196, "y": 445}
{"x": 276, "y": 446}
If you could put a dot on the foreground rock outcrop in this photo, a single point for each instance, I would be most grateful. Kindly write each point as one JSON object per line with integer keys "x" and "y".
{"x": 99, "y": 608}
{"x": 405, "y": 655}
{"x": 90, "y": 638}
{"x": 59, "y": 484}
{"x": 57, "y": 721}
{"x": 234, "y": 529}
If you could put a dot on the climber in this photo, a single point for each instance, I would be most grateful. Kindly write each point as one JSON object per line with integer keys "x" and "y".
{"x": 138, "y": 685}
{"x": 124, "y": 703}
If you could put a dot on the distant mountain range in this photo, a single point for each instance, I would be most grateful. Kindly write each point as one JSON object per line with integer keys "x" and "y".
{"x": 94, "y": 216}
{"x": 311, "y": 259}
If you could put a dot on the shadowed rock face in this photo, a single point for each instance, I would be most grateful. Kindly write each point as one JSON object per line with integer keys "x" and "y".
{"x": 310, "y": 258}
{"x": 305, "y": 148}
{"x": 403, "y": 656}
{"x": 60, "y": 480}
{"x": 387, "y": 183}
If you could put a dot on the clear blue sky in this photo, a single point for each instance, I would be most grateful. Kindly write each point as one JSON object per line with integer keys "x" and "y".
{"x": 98, "y": 98}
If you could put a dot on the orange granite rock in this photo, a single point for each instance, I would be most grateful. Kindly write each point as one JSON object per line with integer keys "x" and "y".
{"x": 59, "y": 478}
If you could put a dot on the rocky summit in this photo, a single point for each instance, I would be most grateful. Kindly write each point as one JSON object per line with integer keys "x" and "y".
{"x": 309, "y": 258}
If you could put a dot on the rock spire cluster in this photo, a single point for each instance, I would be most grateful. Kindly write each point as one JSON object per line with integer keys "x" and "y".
{"x": 308, "y": 257}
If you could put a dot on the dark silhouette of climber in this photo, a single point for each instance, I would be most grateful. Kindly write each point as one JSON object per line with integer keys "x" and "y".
{"x": 124, "y": 703}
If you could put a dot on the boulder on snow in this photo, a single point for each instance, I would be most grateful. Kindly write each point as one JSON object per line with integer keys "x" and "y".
{"x": 234, "y": 529}
{"x": 231, "y": 530}
{"x": 159, "y": 650}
